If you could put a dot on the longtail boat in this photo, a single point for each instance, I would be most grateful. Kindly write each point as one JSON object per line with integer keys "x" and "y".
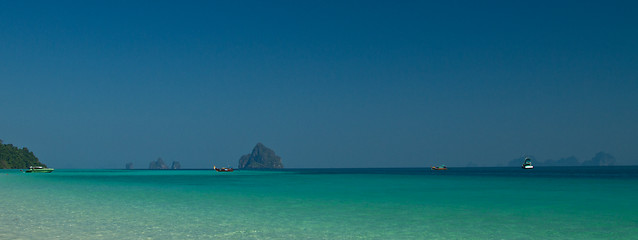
{"x": 442, "y": 167}
{"x": 223, "y": 169}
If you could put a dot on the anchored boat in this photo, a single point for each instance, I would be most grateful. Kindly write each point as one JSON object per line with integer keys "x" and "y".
{"x": 442, "y": 167}
{"x": 527, "y": 164}
{"x": 39, "y": 169}
{"x": 223, "y": 169}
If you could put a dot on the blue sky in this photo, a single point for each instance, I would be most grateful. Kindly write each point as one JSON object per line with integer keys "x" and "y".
{"x": 97, "y": 84}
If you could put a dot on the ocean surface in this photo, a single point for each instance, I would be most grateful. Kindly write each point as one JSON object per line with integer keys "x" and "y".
{"x": 460, "y": 203}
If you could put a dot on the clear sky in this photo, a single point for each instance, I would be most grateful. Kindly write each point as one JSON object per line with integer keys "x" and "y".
{"x": 97, "y": 84}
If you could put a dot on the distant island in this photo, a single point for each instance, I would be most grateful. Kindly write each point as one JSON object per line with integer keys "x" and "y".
{"x": 12, "y": 157}
{"x": 159, "y": 164}
{"x": 600, "y": 159}
{"x": 260, "y": 158}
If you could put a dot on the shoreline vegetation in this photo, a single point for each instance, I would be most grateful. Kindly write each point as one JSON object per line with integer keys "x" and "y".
{"x": 12, "y": 157}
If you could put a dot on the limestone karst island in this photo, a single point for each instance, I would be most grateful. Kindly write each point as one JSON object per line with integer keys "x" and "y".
{"x": 159, "y": 164}
{"x": 260, "y": 158}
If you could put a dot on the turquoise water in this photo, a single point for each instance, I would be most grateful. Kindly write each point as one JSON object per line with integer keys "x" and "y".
{"x": 463, "y": 203}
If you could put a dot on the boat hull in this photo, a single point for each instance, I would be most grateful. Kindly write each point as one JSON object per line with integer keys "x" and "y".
{"x": 223, "y": 169}
{"x": 44, "y": 170}
{"x": 528, "y": 167}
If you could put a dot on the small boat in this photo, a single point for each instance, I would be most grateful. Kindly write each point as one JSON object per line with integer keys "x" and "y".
{"x": 442, "y": 167}
{"x": 527, "y": 164}
{"x": 223, "y": 169}
{"x": 39, "y": 169}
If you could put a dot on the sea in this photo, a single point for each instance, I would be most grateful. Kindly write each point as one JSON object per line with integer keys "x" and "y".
{"x": 394, "y": 203}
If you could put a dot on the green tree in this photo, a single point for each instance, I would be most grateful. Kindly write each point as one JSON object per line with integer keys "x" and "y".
{"x": 12, "y": 157}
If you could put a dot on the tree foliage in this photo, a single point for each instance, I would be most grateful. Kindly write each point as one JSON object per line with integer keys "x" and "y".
{"x": 12, "y": 157}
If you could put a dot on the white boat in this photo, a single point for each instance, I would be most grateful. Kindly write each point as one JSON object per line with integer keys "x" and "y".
{"x": 527, "y": 164}
{"x": 39, "y": 169}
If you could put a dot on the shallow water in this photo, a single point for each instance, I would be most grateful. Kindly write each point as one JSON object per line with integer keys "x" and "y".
{"x": 460, "y": 203}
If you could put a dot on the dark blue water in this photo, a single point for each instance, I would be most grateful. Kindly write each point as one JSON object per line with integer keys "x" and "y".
{"x": 626, "y": 172}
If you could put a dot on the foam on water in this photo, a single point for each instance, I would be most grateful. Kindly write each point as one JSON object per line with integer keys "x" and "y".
{"x": 320, "y": 204}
